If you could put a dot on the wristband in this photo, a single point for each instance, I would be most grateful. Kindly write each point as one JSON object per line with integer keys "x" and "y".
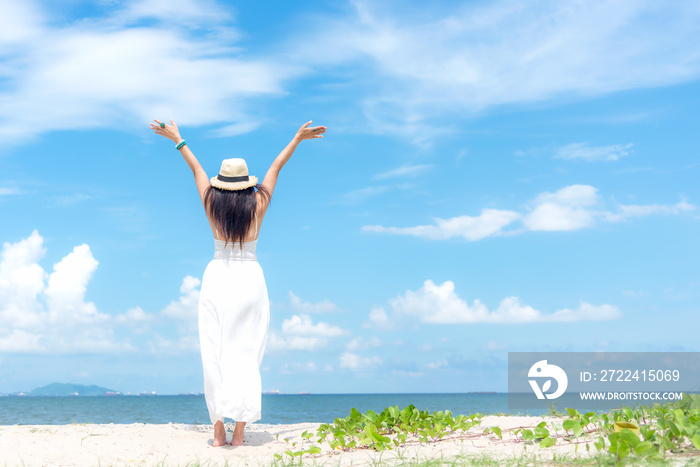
{"x": 181, "y": 144}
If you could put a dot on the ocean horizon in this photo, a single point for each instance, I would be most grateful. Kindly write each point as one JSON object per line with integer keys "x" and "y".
{"x": 276, "y": 408}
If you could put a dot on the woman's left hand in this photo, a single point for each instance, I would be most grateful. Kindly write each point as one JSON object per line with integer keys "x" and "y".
{"x": 169, "y": 131}
{"x": 310, "y": 132}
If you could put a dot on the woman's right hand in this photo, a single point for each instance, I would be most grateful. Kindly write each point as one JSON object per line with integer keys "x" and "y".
{"x": 310, "y": 132}
{"x": 169, "y": 131}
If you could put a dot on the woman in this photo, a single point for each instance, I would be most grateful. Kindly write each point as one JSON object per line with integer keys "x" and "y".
{"x": 233, "y": 306}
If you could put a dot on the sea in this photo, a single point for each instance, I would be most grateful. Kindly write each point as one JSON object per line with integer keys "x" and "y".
{"x": 276, "y": 408}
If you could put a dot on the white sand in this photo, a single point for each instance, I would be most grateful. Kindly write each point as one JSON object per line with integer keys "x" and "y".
{"x": 177, "y": 444}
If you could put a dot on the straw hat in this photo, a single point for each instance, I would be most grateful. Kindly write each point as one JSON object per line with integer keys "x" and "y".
{"x": 234, "y": 176}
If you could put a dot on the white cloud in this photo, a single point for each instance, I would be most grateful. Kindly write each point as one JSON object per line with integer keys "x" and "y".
{"x": 406, "y": 171}
{"x": 295, "y": 367}
{"x": 442, "y": 363}
{"x": 302, "y": 325}
{"x": 186, "y": 306}
{"x": 566, "y": 209}
{"x": 361, "y": 194}
{"x": 300, "y": 306}
{"x": 440, "y": 304}
{"x": 19, "y": 341}
{"x": 117, "y": 71}
{"x": 586, "y": 312}
{"x": 492, "y": 346}
{"x": 300, "y": 333}
{"x": 184, "y": 312}
{"x": 360, "y": 343}
{"x": 631, "y": 210}
{"x": 421, "y": 62}
{"x": 65, "y": 294}
{"x": 133, "y": 316}
{"x": 180, "y": 11}
{"x": 42, "y": 313}
{"x": 20, "y": 21}
{"x": 356, "y": 362}
{"x": 22, "y": 280}
{"x": 489, "y": 223}
{"x": 277, "y": 342}
{"x": 186, "y": 343}
{"x": 9, "y": 191}
{"x": 585, "y": 152}
{"x": 573, "y": 207}
{"x": 236, "y": 129}
{"x": 406, "y": 64}
{"x": 378, "y": 318}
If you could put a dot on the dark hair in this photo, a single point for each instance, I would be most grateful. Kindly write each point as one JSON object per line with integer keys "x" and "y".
{"x": 231, "y": 211}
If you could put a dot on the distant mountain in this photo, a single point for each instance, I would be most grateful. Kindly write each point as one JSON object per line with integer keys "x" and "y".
{"x": 67, "y": 389}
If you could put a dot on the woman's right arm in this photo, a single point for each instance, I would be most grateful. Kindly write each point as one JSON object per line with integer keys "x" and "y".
{"x": 305, "y": 132}
{"x": 173, "y": 133}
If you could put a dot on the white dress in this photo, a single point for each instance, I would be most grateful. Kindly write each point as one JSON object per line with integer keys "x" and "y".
{"x": 234, "y": 313}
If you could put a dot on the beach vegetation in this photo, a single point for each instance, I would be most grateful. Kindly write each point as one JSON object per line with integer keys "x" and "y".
{"x": 643, "y": 432}
{"x": 392, "y": 428}
{"x": 629, "y": 435}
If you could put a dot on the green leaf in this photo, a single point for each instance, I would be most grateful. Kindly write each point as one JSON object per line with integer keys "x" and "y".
{"x": 547, "y": 442}
{"x": 578, "y": 431}
{"x": 627, "y": 412}
{"x": 541, "y": 432}
{"x": 644, "y": 448}
{"x": 573, "y": 413}
{"x": 623, "y": 450}
{"x": 629, "y": 437}
{"x": 599, "y": 444}
{"x": 376, "y": 436}
{"x": 569, "y": 424}
{"x": 314, "y": 450}
{"x": 674, "y": 429}
{"x": 649, "y": 434}
{"x": 696, "y": 441}
{"x": 371, "y": 415}
{"x": 394, "y": 411}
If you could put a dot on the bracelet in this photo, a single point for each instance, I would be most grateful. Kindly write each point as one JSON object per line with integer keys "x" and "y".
{"x": 181, "y": 144}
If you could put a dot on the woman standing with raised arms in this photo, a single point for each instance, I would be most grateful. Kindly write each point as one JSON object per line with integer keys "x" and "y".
{"x": 234, "y": 309}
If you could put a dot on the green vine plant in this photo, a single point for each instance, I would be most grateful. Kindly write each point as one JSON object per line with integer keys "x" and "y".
{"x": 643, "y": 432}
{"x": 374, "y": 431}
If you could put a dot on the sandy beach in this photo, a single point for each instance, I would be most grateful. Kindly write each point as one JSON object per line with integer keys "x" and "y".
{"x": 180, "y": 445}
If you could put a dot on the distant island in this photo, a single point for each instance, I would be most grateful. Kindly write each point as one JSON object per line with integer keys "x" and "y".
{"x": 67, "y": 389}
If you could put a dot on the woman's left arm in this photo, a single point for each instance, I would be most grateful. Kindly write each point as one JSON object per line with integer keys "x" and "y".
{"x": 173, "y": 133}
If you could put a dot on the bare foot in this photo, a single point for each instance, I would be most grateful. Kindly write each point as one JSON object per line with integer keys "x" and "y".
{"x": 219, "y": 435}
{"x": 238, "y": 434}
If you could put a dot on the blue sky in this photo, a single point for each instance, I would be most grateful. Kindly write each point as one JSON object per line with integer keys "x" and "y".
{"x": 496, "y": 177}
